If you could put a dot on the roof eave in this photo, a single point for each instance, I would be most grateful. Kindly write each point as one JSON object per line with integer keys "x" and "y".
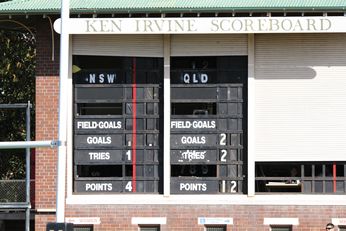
{"x": 175, "y": 10}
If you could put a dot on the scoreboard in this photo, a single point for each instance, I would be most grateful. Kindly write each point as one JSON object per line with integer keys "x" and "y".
{"x": 207, "y": 137}
{"x": 118, "y": 125}
{"x": 117, "y": 147}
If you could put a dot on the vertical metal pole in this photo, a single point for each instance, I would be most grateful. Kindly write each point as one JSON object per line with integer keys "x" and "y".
{"x": 62, "y": 123}
{"x": 166, "y": 115}
{"x": 251, "y": 116}
{"x": 27, "y": 181}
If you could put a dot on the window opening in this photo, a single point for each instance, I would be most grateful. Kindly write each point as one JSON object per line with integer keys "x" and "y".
{"x": 149, "y": 228}
{"x": 342, "y": 228}
{"x": 82, "y": 228}
{"x": 313, "y": 177}
{"x": 281, "y": 228}
{"x": 216, "y": 228}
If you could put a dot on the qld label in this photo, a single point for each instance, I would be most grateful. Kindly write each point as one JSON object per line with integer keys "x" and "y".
{"x": 98, "y": 124}
{"x": 200, "y": 124}
{"x": 193, "y": 156}
{"x": 98, "y": 156}
{"x": 194, "y": 78}
{"x": 95, "y": 140}
{"x": 194, "y": 186}
{"x": 194, "y": 140}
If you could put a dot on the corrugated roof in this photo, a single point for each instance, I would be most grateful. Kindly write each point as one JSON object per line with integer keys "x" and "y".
{"x": 162, "y": 6}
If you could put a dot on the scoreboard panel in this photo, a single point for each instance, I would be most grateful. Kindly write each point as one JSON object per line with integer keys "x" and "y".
{"x": 118, "y": 125}
{"x": 117, "y": 147}
{"x": 207, "y": 126}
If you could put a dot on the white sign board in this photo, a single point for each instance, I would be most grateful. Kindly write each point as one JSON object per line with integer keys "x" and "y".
{"x": 216, "y": 25}
{"x": 215, "y": 221}
{"x": 339, "y": 221}
{"x": 83, "y": 220}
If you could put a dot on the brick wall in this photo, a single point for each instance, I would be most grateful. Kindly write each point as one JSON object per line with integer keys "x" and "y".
{"x": 48, "y": 45}
{"x": 46, "y": 129}
{"x": 184, "y": 217}
{"x": 42, "y": 219}
{"x": 47, "y": 98}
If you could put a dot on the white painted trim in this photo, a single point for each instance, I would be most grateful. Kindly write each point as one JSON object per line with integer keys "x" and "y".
{"x": 204, "y": 25}
{"x": 62, "y": 112}
{"x": 83, "y": 220}
{"x": 251, "y": 116}
{"x": 166, "y": 115}
{"x": 225, "y": 199}
{"x": 69, "y": 149}
{"x": 339, "y": 221}
{"x": 280, "y": 221}
{"x": 148, "y": 220}
{"x": 215, "y": 220}
{"x": 46, "y": 210}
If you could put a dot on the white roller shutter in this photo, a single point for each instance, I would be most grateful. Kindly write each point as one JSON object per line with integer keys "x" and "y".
{"x": 118, "y": 45}
{"x": 300, "y": 106}
{"x": 208, "y": 45}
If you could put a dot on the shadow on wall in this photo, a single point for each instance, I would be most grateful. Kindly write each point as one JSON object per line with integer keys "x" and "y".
{"x": 285, "y": 72}
{"x": 298, "y": 56}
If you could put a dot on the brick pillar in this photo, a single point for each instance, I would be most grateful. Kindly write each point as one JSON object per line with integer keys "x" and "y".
{"x": 47, "y": 98}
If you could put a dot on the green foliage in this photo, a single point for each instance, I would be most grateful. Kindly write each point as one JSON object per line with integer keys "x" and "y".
{"x": 12, "y": 165}
{"x": 17, "y": 85}
{"x": 17, "y": 81}
{"x": 17, "y": 67}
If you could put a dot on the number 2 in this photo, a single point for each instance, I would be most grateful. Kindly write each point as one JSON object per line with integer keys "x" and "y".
{"x": 223, "y": 155}
{"x": 233, "y": 186}
{"x": 222, "y": 139}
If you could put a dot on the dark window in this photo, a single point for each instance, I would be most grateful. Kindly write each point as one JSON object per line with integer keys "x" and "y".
{"x": 82, "y": 228}
{"x": 303, "y": 177}
{"x": 342, "y": 228}
{"x": 281, "y": 228}
{"x": 216, "y": 228}
{"x": 150, "y": 228}
{"x": 193, "y": 109}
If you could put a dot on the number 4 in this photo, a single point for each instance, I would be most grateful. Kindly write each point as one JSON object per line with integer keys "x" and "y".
{"x": 129, "y": 186}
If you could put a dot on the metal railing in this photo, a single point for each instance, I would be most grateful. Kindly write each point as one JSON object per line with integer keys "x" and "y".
{"x": 10, "y": 189}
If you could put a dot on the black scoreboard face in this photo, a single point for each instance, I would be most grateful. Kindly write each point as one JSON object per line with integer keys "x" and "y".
{"x": 117, "y": 122}
{"x": 207, "y": 121}
{"x": 118, "y": 125}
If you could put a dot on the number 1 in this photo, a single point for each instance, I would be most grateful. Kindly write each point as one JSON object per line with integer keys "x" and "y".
{"x": 128, "y": 153}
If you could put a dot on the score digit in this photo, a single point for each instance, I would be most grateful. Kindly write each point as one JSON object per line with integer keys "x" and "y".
{"x": 223, "y": 155}
{"x": 223, "y": 139}
{"x": 128, "y": 186}
{"x": 233, "y": 186}
{"x": 128, "y": 154}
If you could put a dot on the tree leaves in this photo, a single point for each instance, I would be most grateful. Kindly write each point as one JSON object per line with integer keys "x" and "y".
{"x": 17, "y": 85}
